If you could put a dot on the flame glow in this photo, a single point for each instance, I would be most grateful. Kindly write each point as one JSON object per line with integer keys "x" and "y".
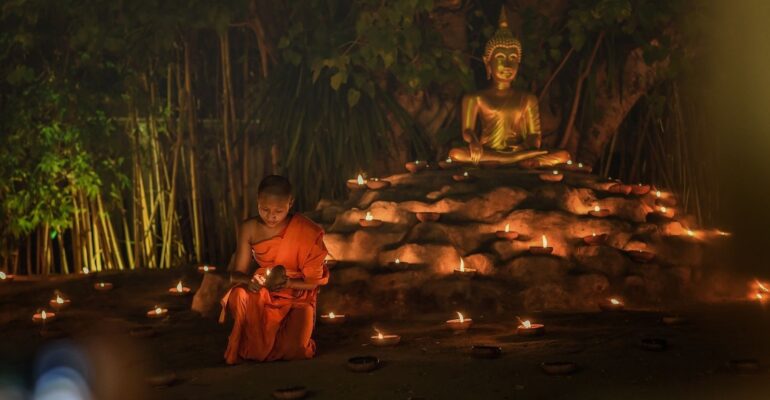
{"x": 448, "y": 159}
{"x": 762, "y": 287}
{"x": 205, "y": 268}
{"x": 526, "y": 324}
{"x": 417, "y": 162}
{"x": 569, "y": 162}
{"x": 267, "y": 272}
{"x": 580, "y": 165}
{"x": 59, "y": 300}
{"x": 663, "y": 209}
{"x": 555, "y": 172}
{"x": 593, "y": 233}
{"x": 657, "y": 193}
{"x": 360, "y": 179}
{"x": 42, "y": 315}
{"x": 368, "y": 216}
{"x": 101, "y": 284}
{"x": 545, "y": 241}
{"x": 398, "y": 261}
{"x": 2, "y": 275}
{"x": 331, "y": 314}
{"x": 462, "y": 265}
{"x": 690, "y": 232}
{"x": 465, "y": 173}
{"x": 507, "y": 228}
{"x": 597, "y": 209}
{"x": 158, "y": 310}
{"x": 179, "y": 287}
{"x": 614, "y": 301}
{"x": 461, "y": 317}
{"x": 85, "y": 270}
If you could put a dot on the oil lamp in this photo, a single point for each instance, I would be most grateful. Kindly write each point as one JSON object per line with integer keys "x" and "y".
{"x": 460, "y": 324}
{"x": 369, "y": 221}
{"x": 541, "y": 250}
{"x": 553, "y": 176}
{"x": 507, "y": 233}
{"x": 381, "y": 339}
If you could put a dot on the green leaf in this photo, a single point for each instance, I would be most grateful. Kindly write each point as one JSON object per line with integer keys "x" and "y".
{"x": 353, "y": 97}
{"x": 338, "y": 79}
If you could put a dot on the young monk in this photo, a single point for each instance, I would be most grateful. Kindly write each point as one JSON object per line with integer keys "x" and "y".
{"x": 274, "y": 318}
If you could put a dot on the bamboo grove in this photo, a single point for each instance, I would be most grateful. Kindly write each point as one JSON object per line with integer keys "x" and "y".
{"x": 134, "y": 133}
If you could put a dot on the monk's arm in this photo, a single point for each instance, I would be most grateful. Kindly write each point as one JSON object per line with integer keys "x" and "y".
{"x": 240, "y": 273}
{"x": 300, "y": 284}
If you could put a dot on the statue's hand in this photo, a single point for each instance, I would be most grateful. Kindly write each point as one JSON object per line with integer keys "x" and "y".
{"x": 476, "y": 150}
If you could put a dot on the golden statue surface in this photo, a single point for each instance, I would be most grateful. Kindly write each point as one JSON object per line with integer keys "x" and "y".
{"x": 510, "y": 120}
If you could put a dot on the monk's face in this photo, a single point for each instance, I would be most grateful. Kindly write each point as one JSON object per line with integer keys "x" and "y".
{"x": 273, "y": 209}
{"x": 503, "y": 64}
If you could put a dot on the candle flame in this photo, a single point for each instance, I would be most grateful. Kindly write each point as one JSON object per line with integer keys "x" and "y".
{"x": 760, "y": 297}
{"x": 555, "y": 172}
{"x": 417, "y": 162}
{"x": 398, "y": 261}
{"x": 593, "y": 233}
{"x": 465, "y": 173}
{"x": 331, "y": 314}
{"x": 545, "y": 241}
{"x": 59, "y": 300}
{"x": 614, "y": 301}
{"x": 85, "y": 270}
{"x": 526, "y": 324}
{"x": 368, "y": 216}
{"x": 267, "y": 272}
{"x": 449, "y": 159}
{"x": 597, "y": 209}
{"x": 569, "y": 162}
{"x": 2, "y": 275}
{"x": 762, "y": 287}
{"x": 158, "y": 310}
{"x": 461, "y": 317}
{"x": 205, "y": 268}
{"x": 360, "y": 179}
{"x": 462, "y": 265}
{"x": 179, "y": 287}
{"x": 580, "y": 164}
{"x": 690, "y": 232}
{"x": 507, "y": 228}
{"x": 663, "y": 209}
{"x": 379, "y": 334}
{"x": 101, "y": 284}
{"x": 42, "y": 315}
{"x": 657, "y": 193}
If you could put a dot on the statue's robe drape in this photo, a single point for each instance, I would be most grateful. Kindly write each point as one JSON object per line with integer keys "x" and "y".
{"x": 278, "y": 325}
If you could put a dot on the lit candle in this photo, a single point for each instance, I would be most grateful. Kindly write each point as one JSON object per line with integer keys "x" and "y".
{"x": 398, "y": 261}
{"x": 506, "y": 233}
{"x": 368, "y": 216}
{"x": 103, "y": 286}
{"x": 690, "y": 233}
{"x": 599, "y": 212}
{"x": 5, "y": 277}
{"x": 657, "y": 193}
{"x": 461, "y": 270}
{"x": 415, "y": 166}
{"x": 460, "y": 324}
{"x": 358, "y": 183}
{"x": 369, "y": 221}
{"x": 332, "y": 318}
{"x": 85, "y": 270}
{"x": 569, "y": 162}
{"x": 554, "y": 176}
{"x": 595, "y": 239}
{"x": 58, "y": 302}
{"x": 611, "y": 304}
{"x": 207, "y": 268}
{"x": 179, "y": 290}
{"x": 449, "y": 160}
{"x": 527, "y": 328}
{"x": 541, "y": 250}
{"x": 157, "y": 312}
{"x": 381, "y": 339}
{"x": 43, "y": 316}
{"x": 465, "y": 174}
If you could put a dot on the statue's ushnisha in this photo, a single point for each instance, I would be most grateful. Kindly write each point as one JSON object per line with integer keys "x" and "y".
{"x": 510, "y": 120}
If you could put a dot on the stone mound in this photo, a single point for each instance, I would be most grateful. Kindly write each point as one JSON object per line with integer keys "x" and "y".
{"x": 575, "y": 276}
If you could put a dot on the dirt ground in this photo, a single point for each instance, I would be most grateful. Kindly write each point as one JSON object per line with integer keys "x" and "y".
{"x": 430, "y": 363}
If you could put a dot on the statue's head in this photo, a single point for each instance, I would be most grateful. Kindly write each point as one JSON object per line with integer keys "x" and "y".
{"x": 502, "y": 54}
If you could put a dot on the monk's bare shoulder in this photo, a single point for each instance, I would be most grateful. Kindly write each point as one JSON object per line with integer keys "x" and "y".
{"x": 251, "y": 230}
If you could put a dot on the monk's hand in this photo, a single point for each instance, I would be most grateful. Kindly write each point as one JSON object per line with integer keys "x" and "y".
{"x": 476, "y": 150}
{"x": 256, "y": 283}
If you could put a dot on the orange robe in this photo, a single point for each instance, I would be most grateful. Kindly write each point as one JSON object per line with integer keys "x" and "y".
{"x": 277, "y": 325}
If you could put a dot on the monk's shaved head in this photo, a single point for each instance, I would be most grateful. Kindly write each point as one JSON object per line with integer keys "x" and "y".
{"x": 275, "y": 185}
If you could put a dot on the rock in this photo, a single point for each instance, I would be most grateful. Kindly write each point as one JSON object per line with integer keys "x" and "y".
{"x": 361, "y": 246}
{"x": 606, "y": 260}
{"x": 589, "y": 288}
{"x": 480, "y": 208}
{"x": 536, "y": 270}
{"x": 207, "y": 298}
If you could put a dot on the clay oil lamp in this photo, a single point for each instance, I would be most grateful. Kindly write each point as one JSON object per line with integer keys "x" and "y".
{"x": 653, "y": 344}
{"x": 103, "y": 286}
{"x": 611, "y": 304}
{"x": 369, "y": 222}
{"x": 761, "y": 291}
{"x": 43, "y": 316}
{"x": 157, "y": 312}
{"x": 462, "y": 177}
{"x": 744, "y": 365}
{"x": 206, "y": 268}
{"x": 594, "y": 239}
{"x": 527, "y": 328}
{"x": 6, "y": 277}
{"x": 553, "y": 176}
{"x": 447, "y": 164}
{"x": 416, "y": 166}
{"x": 59, "y": 303}
{"x": 486, "y": 351}
{"x": 599, "y": 212}
{"x": 640, "y": 190}
{"x": 620, "y": 188}
{"x": 641, "y": 256}
{"x": 358, "y": 183}
{"x": 543, "y": 250}
{"x": 462, "y": 271}
{"x": 665, "y": 212}
{"x": 363, "y": 363}
{"x": 333, "y": 319}
{"x": 460, "y": 324}
{"x": 290, "y": 393}
{"x": 179, "y": 290}
{"x": 330, "y": 262}
{"x": 377, "y": 184}
{"x": 507, "y": 233}
{"x": 558, "y": 367}
{"x": 398, "y": 264}
{"x": 428, "y": 216}
{"x": 383, "y": 340}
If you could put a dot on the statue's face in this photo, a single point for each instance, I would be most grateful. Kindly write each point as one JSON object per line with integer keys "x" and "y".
{"x": 503, "y": 64}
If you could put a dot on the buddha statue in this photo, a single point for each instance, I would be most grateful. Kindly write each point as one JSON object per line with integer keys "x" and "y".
{"x": 510, "y": 120}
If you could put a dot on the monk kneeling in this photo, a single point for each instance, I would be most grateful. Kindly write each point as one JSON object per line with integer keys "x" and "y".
{"x": 274, "y": 313}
